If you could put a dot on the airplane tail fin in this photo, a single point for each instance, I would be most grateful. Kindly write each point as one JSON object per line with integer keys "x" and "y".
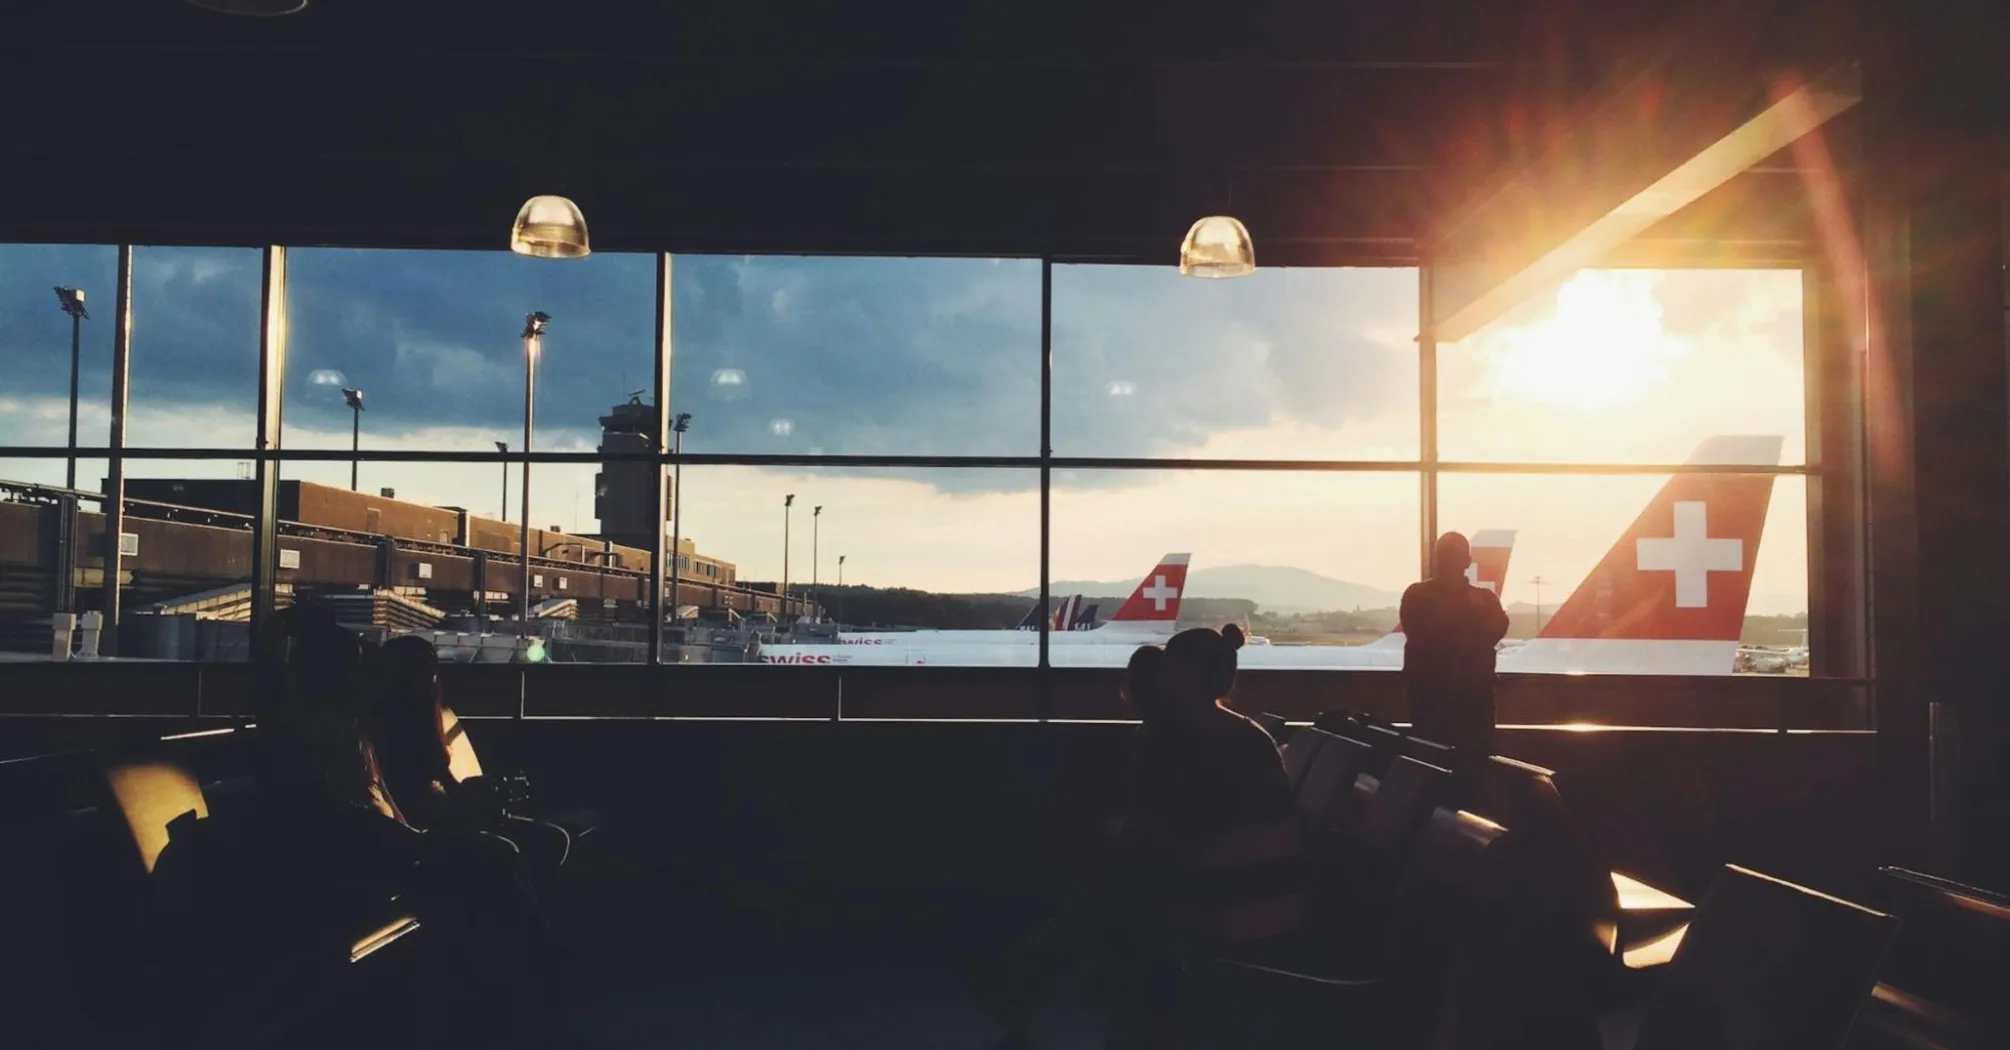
{"x": 1064, "y": 613}
{"x": 1491, "y": 550}
{"x": 1669, "y": 597}
{"x": 1156, "y": 599}
{"x": 1085, "y": 620}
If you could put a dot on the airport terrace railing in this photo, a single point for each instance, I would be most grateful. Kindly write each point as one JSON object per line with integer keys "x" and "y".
{"x": 155, "y": 510}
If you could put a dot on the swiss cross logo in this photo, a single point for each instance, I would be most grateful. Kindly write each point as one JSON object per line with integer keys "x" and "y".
{"x": 1473, "y": 577}
{"x": 1692, "y": 554}
{"x": 1159, "y": 592}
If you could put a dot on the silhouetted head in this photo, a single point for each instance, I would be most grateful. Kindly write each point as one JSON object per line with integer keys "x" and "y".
{"x": 319, "y": 654}
{"x": 409, "y": 662}
{"x": 407, "y": 710}
{"x": 1451, "y": 556}
{"x": 1200, "y": 666}
{"x": 310, "y": 715}
{"x": 1144, "y": 682}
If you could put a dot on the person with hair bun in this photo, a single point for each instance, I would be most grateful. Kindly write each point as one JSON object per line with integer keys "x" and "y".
{"x": 1212, "y": 787}
{"x": 1207, "y": 861}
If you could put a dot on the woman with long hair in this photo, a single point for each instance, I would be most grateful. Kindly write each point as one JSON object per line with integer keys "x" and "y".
{"x": 408, "y": 718}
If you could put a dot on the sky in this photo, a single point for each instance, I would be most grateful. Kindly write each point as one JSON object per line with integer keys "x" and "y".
{"x": 777, "y": 354}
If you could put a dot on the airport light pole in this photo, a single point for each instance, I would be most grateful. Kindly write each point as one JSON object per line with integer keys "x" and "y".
{"x": 503, "y": 447}
{"x": 72, "y": 300}
{"x": 816, "y": 560}
{"x": 533, "y": 340}
{"x": 355, "y": 400}
{"x": 787, "y": 502}
{"x": 840, "y": 590}
{"x": 678, "y": 426}
{"x": 1537, "y": 584}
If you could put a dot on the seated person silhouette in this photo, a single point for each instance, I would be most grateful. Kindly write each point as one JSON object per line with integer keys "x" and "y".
{"x": 1207, "y": 861}
{"x": 408, "y": 720}
{"x": 326, "y": 846}
{"x": 1450, "y": 629}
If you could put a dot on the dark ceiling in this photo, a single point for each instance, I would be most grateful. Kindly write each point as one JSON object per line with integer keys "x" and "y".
{"x": 1340, "y": 130}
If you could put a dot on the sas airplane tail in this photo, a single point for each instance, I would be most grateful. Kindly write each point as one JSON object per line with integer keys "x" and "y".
{"x": 1491, "y": 550}
{"x": 1669, "y": 597}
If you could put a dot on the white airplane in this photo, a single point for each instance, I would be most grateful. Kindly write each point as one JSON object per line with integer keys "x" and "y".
{"x": 1668, "y": 598}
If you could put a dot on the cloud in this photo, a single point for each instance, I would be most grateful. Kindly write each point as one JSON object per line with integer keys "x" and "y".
{"x": 1309, "y": 347}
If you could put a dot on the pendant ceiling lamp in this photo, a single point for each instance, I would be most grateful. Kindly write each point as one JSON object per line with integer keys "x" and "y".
{"x": 550, "y": 228}
{"x": 1217, "y": 246}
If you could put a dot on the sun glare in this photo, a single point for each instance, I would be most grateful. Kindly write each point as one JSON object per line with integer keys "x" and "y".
{"x": 1601, "y": 347}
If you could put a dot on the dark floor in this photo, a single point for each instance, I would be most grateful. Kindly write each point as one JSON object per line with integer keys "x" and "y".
{"x": 790, "y": 967}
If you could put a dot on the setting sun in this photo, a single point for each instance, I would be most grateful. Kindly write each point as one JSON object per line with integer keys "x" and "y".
{"x": 1602, "y": 345}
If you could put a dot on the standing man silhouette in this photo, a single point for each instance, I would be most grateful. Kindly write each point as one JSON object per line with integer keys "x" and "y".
{"x": 1450, "y": 628}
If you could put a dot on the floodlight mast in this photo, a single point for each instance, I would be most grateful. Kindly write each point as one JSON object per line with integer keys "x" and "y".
{"x": 72, "y": 302}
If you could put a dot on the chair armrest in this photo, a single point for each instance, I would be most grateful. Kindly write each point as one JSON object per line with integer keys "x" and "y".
{"x": 382, "y": 937}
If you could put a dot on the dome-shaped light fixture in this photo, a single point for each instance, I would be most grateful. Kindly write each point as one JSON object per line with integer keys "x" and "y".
{"x": 1217, "y": 246}
{"x": 550, "y": 228}
{"x": 252, "y": 8}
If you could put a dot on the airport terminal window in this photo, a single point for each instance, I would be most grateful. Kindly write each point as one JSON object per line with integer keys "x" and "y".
{"x": 195, "y": 321}
{"x": 35, "y": 343}
{"x": 185, "y": 572}
{"x": 877, "y": 552}
{"x": 1283, "y": 364}
{"x": 858, "y": 356}
{"x": 934, "y": 360}
{"x": 1313, "y": 562}
{"x": 433, "y": 341}
{"x": 1629, "y": 366}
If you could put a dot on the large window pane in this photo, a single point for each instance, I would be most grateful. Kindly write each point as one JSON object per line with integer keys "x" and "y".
{"x": 432, "y": 339}
{"x": 422, "y": 547}
{"x": 194, "y": 379}
{"x": 35, "y": 338}
{"x": 32, "y": 542}
{"x": 902, "y": 567}
{"x": 780, "y": 354}
{"x": 1684, "y": 592}
{"x": 1312, "y": 563}
{"x": 1629, "y": 366}
{"x": 186, "y": 574}
{"x": 1284, "y": 364}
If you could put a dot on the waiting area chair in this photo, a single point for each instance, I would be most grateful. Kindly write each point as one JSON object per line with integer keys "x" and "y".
{"x": 1767, "y": 965}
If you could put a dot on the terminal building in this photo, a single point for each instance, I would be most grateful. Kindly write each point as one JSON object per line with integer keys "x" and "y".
{"x": 996, "y": 304}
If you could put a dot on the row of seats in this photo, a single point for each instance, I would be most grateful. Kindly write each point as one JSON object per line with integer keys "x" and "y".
{"x": 1496, "y": 925}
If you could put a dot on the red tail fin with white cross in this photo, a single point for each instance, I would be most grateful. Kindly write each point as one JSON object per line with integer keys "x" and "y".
{"x": 1669, "y": 597}
{"x": 1156, "y": 598}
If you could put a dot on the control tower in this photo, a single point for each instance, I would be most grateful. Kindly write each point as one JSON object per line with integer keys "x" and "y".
{"x": 624, "y": 493}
